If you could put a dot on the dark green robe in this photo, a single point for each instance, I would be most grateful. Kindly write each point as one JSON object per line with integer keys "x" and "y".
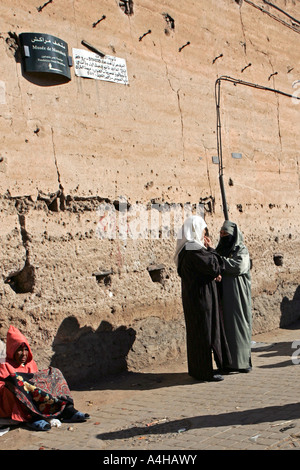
{"x": 235, "y": 295}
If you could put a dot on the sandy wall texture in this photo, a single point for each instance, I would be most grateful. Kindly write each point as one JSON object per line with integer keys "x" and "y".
{"x": 95, "y": 175}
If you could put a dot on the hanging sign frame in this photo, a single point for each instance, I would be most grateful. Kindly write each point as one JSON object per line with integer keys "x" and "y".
{"x": 44, "y": 53}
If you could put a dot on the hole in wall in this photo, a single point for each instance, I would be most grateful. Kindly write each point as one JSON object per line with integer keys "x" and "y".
{"x": 126, "y": 6}
{"x": 278, "y": 259}
{"x": 54, "y": 201}
{"x": 12, "y": 43}
{"x": 208, "y": 204}
{"x": 23, "y": 281}
{"x": 121, "y": 205}
{"x": 103, "y": 277}
{"x": 170, "y": 23}
{"x": 156, "y": 273}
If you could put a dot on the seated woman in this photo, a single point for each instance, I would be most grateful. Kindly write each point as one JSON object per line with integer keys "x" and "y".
{"x": 29, "y": 395}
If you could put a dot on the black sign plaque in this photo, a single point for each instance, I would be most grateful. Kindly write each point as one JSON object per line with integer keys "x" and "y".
{"x": 43, "y": 53}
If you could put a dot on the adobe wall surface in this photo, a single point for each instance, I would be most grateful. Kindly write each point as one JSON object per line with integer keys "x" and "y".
{"x": 70, "y": 152}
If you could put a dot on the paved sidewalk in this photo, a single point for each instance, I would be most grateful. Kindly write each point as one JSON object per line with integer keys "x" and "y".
{"x": 168, "y": 410}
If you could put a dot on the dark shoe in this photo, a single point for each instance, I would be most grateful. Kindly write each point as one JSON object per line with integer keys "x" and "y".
{"x": 228, "y": 370}
{"x": 245, "y": 371}
{"x": 216, "y": 378}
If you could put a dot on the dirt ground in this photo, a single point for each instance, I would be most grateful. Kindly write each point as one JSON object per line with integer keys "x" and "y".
{"x": 94, "y": 397}
{"x": 111, "y": 390}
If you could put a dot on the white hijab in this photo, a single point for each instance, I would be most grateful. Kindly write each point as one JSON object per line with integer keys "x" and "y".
{"x": 192, "y": 231}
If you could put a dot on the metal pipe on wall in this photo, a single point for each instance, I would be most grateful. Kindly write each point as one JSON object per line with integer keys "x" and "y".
{"x": 235, "y": 81}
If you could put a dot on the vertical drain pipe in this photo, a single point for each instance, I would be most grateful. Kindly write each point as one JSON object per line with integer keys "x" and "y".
{"x": 219, "y": 145}
{"x": 219, "y": 131}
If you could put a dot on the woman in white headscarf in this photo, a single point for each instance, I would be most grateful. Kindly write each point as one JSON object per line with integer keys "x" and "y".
{"x": 198, "y": 266}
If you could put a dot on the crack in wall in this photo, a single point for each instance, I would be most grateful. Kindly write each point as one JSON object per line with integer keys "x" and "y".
{"x": 244, "y": 44}
{"x": 273, "y": 78}
{"x": 278, "y": 126}
{"x": 25, "y": 237}
{"x": 182, "y": 125}
{"x": 277, "y": 112}
{"x": 179, "y": 107}
{"x": 80, "y": 204}
{"x": 207, "y": 166}
{"x": 61, "y": 189}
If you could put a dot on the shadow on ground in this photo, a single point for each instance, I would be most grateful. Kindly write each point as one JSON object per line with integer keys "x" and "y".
{"x": 258, "y": 415}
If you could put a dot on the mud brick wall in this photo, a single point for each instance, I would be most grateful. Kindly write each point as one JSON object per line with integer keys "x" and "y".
{"x": 71, "y": 149}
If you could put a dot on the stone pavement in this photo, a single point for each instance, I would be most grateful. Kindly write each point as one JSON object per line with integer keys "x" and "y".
{"x": 169, "y": 411}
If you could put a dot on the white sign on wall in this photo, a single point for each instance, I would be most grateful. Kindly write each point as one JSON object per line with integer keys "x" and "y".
{"x": 91, "y": 65}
